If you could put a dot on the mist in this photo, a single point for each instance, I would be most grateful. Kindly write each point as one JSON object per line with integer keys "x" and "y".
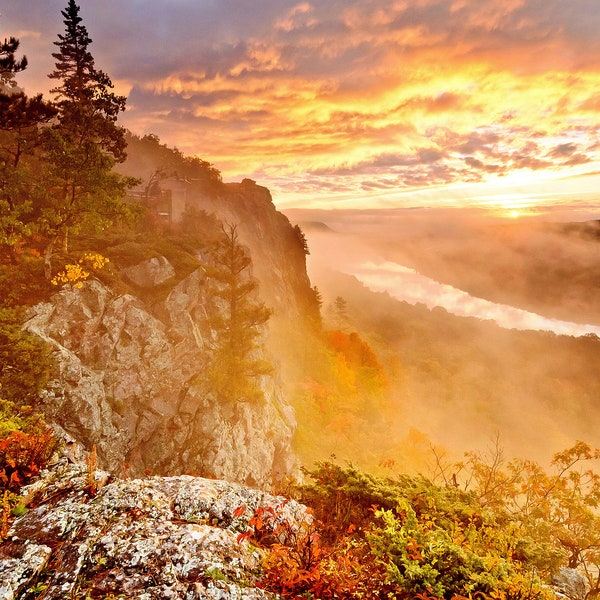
{"x": 488, "y": 325}
{"x": 526, "y": 274}
{"x": 404, "y": 283}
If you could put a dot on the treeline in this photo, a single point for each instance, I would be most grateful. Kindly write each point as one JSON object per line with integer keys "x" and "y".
{"x": 57, "y": 157}
{"x": 56, "y": 180}
{"x": 154, "y": 162}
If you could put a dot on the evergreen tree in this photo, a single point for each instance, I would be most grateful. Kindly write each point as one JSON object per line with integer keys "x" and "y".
{"x": 315, "y": 305}
{"x": 9, "y": 64}
{"x": 340, "y": 311}
{"x": 80, "y": 188}
{"x": 20, "y": 120}
{"x": 301, "y": 239}
{"x": 237, "y": 322}
{"x": 20, "y": 141}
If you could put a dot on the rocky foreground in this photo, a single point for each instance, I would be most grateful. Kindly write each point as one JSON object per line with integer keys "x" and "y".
{"x": 160, "y": 537}
{"x": 85, "y": 536}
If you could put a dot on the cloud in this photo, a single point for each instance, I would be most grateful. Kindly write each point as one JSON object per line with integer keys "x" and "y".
{"x": 563, "y": 150}
{"x": 416, "y": 93}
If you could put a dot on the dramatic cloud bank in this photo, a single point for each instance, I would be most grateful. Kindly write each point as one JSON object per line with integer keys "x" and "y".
{"x": 349, "y": 99}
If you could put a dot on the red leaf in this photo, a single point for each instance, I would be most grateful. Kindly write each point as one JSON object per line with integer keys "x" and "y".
{"x": 243, "y": 536}
{"x": 15, "y": 480}
{"x": 239, "y": 511}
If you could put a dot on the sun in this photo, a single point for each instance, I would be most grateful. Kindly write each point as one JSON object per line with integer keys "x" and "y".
{"x": 514, "y": 213}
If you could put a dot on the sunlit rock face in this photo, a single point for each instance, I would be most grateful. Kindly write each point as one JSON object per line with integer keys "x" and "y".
{"x": 279, "y": 262}
{"x": 570, "y": 584}
{"x": 131, "y": 384}
{"x": 154, "y": 538}
{"x": 129, "y": 375}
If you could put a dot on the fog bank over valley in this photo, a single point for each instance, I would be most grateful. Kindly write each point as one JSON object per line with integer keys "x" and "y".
{"x": 486, "y": 326}
{"x": 524, "y": 274}
{"x": 404, "y": 283}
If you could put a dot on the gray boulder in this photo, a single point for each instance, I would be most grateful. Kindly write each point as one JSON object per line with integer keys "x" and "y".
{"x": 155, "y": 538}
{"x": 570, "y": 584}
{"x": 151, "y": 272}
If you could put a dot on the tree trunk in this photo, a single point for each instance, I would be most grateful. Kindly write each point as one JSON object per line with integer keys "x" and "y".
{"x": 12, "y": 254}
{"x": 65, "y": 240}
{"x": 48, "y": 259}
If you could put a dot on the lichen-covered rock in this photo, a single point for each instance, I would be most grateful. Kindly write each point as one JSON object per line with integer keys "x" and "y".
{"x": 151, "y": 272}
{"x": 155, "y": 538}
{"x": 131, "y": 384}
{"x": 570, "y": 584}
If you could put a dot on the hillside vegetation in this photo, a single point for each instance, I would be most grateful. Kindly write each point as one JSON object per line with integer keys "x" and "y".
{"x": 496, "y": 530}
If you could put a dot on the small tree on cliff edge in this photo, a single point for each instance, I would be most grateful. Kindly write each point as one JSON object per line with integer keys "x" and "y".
{"x": 80, "y": 187}
{"x": 236, "y": 322}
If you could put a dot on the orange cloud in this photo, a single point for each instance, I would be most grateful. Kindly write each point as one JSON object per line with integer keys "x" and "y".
{"x": 351, "y": 96}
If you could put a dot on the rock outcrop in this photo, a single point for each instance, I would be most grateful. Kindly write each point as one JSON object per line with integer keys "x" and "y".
{"x": 132, "y": 385}
{"x": 153, "y": 538}
{"x": 130, "y": 365}
{"x": 129, "y": 374}
{"x": 279, "y": 264}
{"x": 570, "y": 584}
{"x": 279, "y": 260}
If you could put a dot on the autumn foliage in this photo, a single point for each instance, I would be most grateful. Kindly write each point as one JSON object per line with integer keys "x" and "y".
{"x": 302, "y": 563}
{"x": 26, "y": 445}
{"x": 345, "y": 397}
{"x": 23, "y": 455}
{"x": 498, "y": 531}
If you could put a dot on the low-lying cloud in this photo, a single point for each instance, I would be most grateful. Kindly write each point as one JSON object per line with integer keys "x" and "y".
{"x": 404, "y": 283}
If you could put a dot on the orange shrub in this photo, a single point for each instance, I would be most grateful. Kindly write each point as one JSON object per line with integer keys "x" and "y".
{"x": 23, "y": 455}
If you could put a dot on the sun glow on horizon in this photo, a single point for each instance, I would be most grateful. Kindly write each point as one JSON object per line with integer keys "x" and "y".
{"x": 372, "y": 103}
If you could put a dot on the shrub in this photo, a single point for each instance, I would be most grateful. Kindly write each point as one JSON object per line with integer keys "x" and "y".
{"x": 300, "y": 564}
{"x": 420, "y": 539}
{"x": 25, "y": 360}
{"x": 23, "y": 455}
{"x": 25, "y": 284}
{"x": 26, "y": 444}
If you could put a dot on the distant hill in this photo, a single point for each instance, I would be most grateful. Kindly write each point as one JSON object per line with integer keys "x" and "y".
{"x": 315, "y": 226}
{"x": 462, "y": 380}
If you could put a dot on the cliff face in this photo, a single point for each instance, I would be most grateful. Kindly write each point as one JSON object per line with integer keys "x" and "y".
{"x": 279, "y": 261}
{"x": 129, "y": 376}
{"x": 279, "y": 264}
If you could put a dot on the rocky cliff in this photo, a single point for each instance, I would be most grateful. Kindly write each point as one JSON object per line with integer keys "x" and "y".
{"x": 129, "y": 373}
{"x": 153, "y": 538}
{"x": 279, "y": 260}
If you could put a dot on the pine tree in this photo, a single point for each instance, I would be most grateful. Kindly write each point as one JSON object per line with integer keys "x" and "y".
{"x": 20, "y": 140}
{"x": 86, "y": 103}
{"x": 20, "y": 120}
{"x": 237, "y": 322}
{"x": 340, "y": 310}
{"x": 80, "y": 187}
{"x": 9, "y": 64}
{"x": 301, "y": 239}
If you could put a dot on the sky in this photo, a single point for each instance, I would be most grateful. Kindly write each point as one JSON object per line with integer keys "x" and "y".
{"x": 354, "y": 104}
